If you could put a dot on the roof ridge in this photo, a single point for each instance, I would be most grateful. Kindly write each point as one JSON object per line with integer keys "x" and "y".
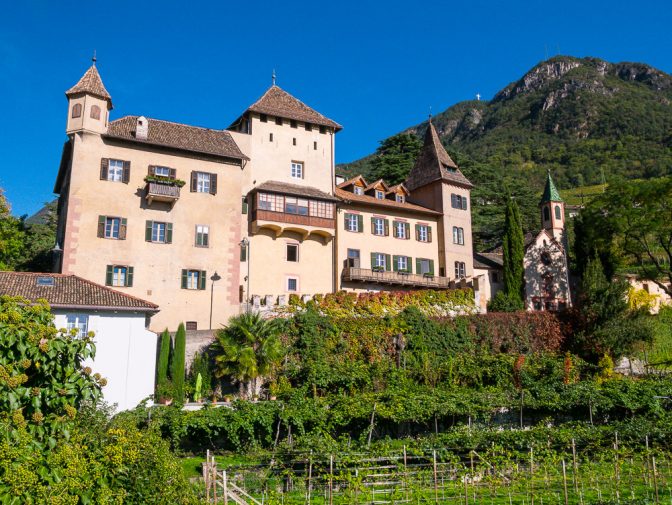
{"x": 205, "y": 128}
{"x": 107, "y": 288}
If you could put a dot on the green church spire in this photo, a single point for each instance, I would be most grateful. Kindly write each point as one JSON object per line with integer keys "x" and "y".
{"x": 551, "y": 193}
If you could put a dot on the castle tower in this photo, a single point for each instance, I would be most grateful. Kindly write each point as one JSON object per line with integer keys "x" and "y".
{"x": 89, "y": 104}
{"x": 552, "y": 209}
{"x": 435, "y": 181}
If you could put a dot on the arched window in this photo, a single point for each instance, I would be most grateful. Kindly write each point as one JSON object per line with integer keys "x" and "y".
{"x": 558, "y": 212}
{"x": 77, "y": 110}
{"x": 95, "y": 112}
{"x": 547, "y": 214}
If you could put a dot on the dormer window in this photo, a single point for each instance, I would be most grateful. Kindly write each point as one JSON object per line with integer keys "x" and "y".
{"x": 77, "y": 110}
{"x": 380, "y": 195}
{"x": 358, "y": 190}
{"x": 95, "y": 112}
{"x": 400, "y": 198}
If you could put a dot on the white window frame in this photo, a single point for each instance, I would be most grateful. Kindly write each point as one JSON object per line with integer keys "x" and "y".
{"x": 425, "y": 266}
{"x": 401, "y": 229}
{"x": 115, "y": 170}
{"x": 460, "y": 270}
{"x": 159, "y": 232}
{"x": 400, "y": 198}
{"x": 296, "y": 284}
{"x": 353, "y": 222}
{"x": 203, "y": 230}
{"x": 193, "y": 278}
{"x": 358, "y": 190}
{"x": 458, "y": 235}
{"x": 378, "y": 226}
{"x": 203, "y": 182}
{"x": 162, "y": 171}
{"x": 112, "y": 231}
{"x": 119, "y": 275}
{"x": 380, "y": 261}
{"x": 380, "y": 195}
{"x": 79, "y": 322}
{"x": 423, "y": 233}
{"x": 287, "y": 253}
{"x": 402, "y": 263}
{"x": 296, "y": 171}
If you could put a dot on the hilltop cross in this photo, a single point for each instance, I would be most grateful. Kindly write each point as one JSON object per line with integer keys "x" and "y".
{"x": 478, "y": 97}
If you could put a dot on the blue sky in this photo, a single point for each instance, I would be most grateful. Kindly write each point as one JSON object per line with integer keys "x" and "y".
{"x": 375, "y": 67}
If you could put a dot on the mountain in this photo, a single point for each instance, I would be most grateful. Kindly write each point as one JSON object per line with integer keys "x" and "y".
{"x": 585, "y": 119}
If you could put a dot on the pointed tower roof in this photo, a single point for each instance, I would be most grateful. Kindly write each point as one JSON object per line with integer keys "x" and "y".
{"x": 551, "y": 193}
{"x": 277, "y": 102}
{"x": 90, "y": 83}
{"x": 434, "y": 164}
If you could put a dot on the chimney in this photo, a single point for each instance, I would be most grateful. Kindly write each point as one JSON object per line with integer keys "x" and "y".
{"x": 142, "y": 128}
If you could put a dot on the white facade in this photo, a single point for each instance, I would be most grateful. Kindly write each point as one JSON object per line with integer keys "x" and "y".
{"x": 125, "y": 353}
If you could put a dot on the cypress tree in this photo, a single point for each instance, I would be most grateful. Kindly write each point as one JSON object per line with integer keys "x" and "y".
{"x": 513, "y": 244}
{"x": 178, "y": 364}
{"x": 164, "y": 356}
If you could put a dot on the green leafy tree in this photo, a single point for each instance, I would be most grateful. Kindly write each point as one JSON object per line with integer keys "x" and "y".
{"x": 513, "y": 245}
{"x": 12, "y": 237}
{"x": 178, "y": 364}
{"x": 43, "y": 380}
{"x": 39, "y": 240}
{"x": 247, "y": 350}
{"x": 395, "y": 157}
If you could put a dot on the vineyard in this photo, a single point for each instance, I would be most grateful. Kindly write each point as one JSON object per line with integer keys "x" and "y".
{"x": 568, "y": 474}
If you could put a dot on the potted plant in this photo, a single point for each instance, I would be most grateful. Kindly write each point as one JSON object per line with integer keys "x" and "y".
{"x": 164, "y": 393}
{"x": 273, "y": 391}
{"x": 162, "y": 179}
{"x": 217, "y": 394}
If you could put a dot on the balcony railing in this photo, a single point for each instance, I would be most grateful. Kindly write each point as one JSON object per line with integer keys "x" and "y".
{"x": 162, "y": 192}
{"x": 284, "y": 217}
{"x": 356, "y": 274}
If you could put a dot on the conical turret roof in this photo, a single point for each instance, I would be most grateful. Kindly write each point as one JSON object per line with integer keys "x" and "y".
{"x": 434, "y": 163}
{"x": 551, "y": 193}
{"x": 92, "y": 84}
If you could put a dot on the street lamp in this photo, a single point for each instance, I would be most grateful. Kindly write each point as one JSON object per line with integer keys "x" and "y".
{"x": 245, "y": 244}
{"x": 214, "y": 278}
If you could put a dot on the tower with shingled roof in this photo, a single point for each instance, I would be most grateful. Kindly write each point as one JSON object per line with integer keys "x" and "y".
{"x": 552, "y": 209}
{"x": 89, "y": 103}
{"x": 436, "y": 182}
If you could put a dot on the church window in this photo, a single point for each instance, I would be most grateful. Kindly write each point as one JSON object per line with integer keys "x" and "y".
{"x": 547, "y": 214}
{"x": 558, "y": 212}
{"x": 95, "y": 112}
{"x": 77, "y": 110}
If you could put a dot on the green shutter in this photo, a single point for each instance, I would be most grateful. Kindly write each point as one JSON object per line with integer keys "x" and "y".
{"x": 148, "y": 231}
{"x": 169, "y": 233}
{"x": 387, "y": 227}
{"x": 417, "y": 232}
{"x": 345, "y": 221}
{"x": 213, "y": 184}
{"x": 431, "y": 267}
{"x": 429, "y": 233}
{"x": 243, "y": 253}
{"x": 373, "y": 261}
{"x": 360, "y": 223}
{"x": 418, "y": 265}
{"x": 201, "y": 279}
{"x": 122, "y": 229}
{"x": 407, "y": 231}
{"x": 206, "y": 238}
{"x": 184, "y": 279}
{"x": 108, "y": 275}
{"x": 409, "y": 264}
{"x": 129, "y": 277}
{"x": 373, "y": 226}
{"x": 388, "y": 262}
{"x": 101, "y": 226}
{"x": 395, "y": 263}
{"x": 244, "y": 210}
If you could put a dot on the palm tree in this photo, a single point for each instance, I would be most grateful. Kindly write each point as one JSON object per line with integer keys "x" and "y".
{"x": 247, "y": 350}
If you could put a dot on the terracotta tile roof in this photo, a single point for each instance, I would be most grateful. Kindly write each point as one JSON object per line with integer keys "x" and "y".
{"x": 90, "y": 83}
{"x": 295, "y": 190}
{"x": 277, "y": 102}
{"x": 393, "y": 189}
{"x": 178, "y": 136}
{"x": 434, "y": 164}
{"x": 354, "y": 179}
{"x": 376, "y": 202}
{"x": 375, "y": 183}
{"x": 70, "y": 291}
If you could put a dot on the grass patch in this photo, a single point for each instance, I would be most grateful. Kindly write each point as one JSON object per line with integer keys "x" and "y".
{"x": 191, "y": 466}
{"x": 581, "y": 195}
{"x": 659, "y": 352}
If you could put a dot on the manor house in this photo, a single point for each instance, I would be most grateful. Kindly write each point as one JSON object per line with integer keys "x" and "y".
{"x": 204, "y": 222}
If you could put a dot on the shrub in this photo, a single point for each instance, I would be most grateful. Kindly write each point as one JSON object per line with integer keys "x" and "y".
{"x": 178, "y": 364}
{"x": 503, "y": 302}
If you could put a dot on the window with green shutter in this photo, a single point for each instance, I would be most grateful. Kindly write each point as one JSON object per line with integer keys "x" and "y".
{"x": 119, "y": 276}
{"x": 158, "y": 232}
{"x": 193, "y": 279}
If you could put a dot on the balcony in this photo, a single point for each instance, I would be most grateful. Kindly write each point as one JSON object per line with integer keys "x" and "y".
{"x": 161, "y": 192}
{"x": 356, "y": 274}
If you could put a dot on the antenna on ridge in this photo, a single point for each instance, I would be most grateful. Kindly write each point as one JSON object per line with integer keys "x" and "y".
{"x": 94, "y": 59}
{"x": 430, "y": 113}
{"x": 273, "y": 77}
